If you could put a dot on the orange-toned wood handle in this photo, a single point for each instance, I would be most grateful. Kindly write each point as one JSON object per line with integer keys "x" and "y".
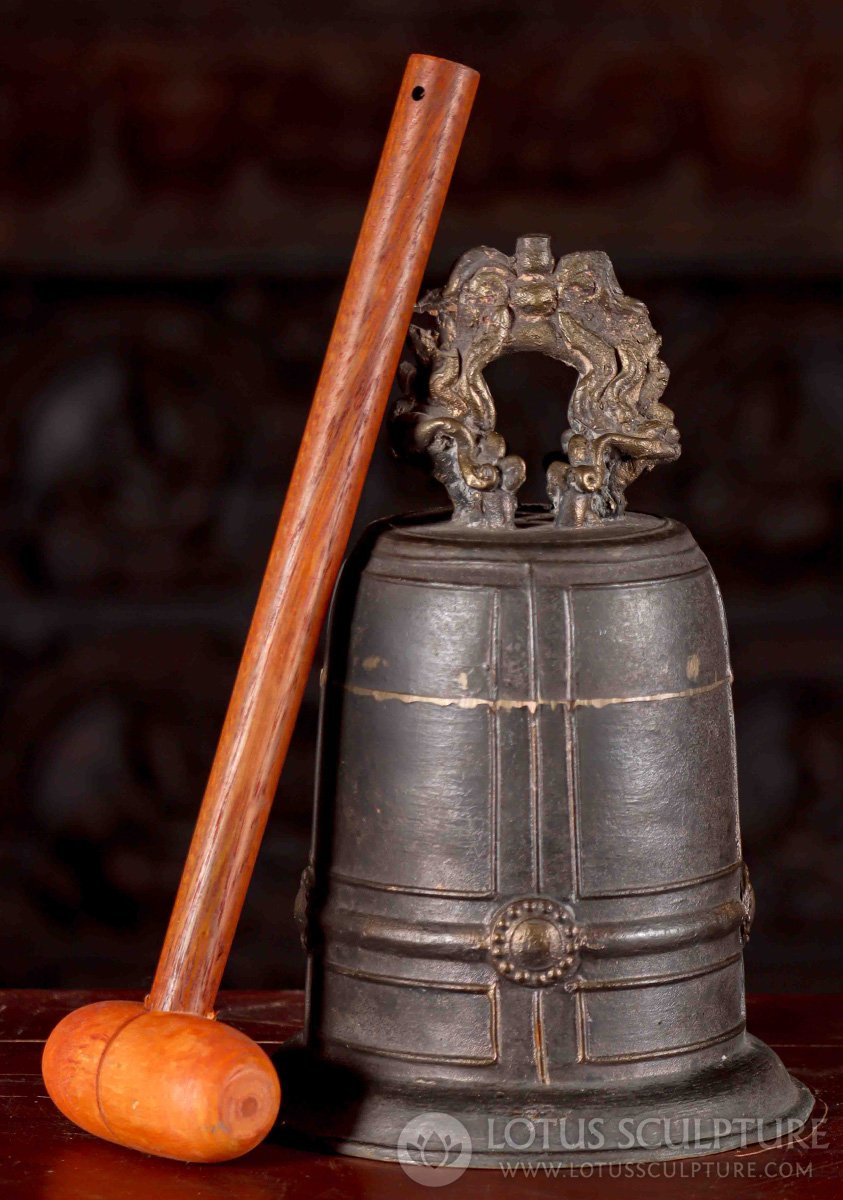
{"x": 385, "y": 275}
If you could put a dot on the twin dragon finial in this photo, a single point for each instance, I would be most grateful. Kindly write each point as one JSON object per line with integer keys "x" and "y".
{"x": 572, "y": 310}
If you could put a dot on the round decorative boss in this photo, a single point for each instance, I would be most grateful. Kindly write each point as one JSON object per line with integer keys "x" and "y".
{"x": 534, "y": 942}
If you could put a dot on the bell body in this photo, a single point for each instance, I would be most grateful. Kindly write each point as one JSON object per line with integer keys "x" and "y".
{"x": 526, "y": 901}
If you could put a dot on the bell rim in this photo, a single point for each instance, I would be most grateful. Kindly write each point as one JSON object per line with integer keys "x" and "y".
{"x": 686, "y": 1097}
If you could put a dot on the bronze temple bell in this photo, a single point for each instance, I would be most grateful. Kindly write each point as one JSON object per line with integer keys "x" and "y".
{"x": 526, "y": 896}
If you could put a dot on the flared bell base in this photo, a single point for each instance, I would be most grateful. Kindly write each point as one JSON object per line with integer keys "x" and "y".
{"x": 343, "y": 1104}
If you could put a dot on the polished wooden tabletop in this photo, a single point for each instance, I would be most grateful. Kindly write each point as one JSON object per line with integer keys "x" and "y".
{"x": 43, "y": 1156}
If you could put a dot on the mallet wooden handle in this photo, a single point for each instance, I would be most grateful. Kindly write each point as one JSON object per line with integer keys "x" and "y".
{"x": 386, "y": 272}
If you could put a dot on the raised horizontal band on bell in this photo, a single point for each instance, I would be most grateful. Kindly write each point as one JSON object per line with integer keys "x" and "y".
{"x": 576, "y": 984}
{"x": 653, "y": 980}
{"x": 603, "y": 1060}
{"x": 656, "y": 889}
{"x": 468, "y": 942}
{"x": 504, "y": 705}
{"x": 716, "y": 1039}
{"x": 413, "y": 1056}
{"x": 621, "y": 938}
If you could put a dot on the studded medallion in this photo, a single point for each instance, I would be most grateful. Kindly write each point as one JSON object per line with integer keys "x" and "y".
{"x": 534, "y": 942}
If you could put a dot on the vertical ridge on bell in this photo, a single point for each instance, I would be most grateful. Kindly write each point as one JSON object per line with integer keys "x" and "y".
{"x": 534, "y": 732}
{"x": 539, "y": 1039}
{"x": 553, "y": 663}
{"x": 495, "y": 766}
{"x": 516, "y": 849}
{"x": 561, "y": 1030}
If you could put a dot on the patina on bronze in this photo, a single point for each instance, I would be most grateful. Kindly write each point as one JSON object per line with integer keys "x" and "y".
{"x": 526, "y": 900}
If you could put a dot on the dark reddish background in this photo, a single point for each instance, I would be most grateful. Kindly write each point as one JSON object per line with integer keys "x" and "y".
{"x": 180, "y": 186}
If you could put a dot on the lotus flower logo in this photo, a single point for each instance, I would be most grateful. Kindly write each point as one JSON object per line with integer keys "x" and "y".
{"x": 434, "y": 1149}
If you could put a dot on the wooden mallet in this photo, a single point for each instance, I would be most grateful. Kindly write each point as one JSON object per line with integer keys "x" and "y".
{"x": 165, "y": 1077}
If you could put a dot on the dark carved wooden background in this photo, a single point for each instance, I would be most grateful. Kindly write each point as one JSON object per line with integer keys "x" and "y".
{"x": 180, "y": 186}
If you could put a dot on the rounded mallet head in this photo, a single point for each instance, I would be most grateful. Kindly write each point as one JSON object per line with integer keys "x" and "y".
{"x": 171, "y": 1084}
